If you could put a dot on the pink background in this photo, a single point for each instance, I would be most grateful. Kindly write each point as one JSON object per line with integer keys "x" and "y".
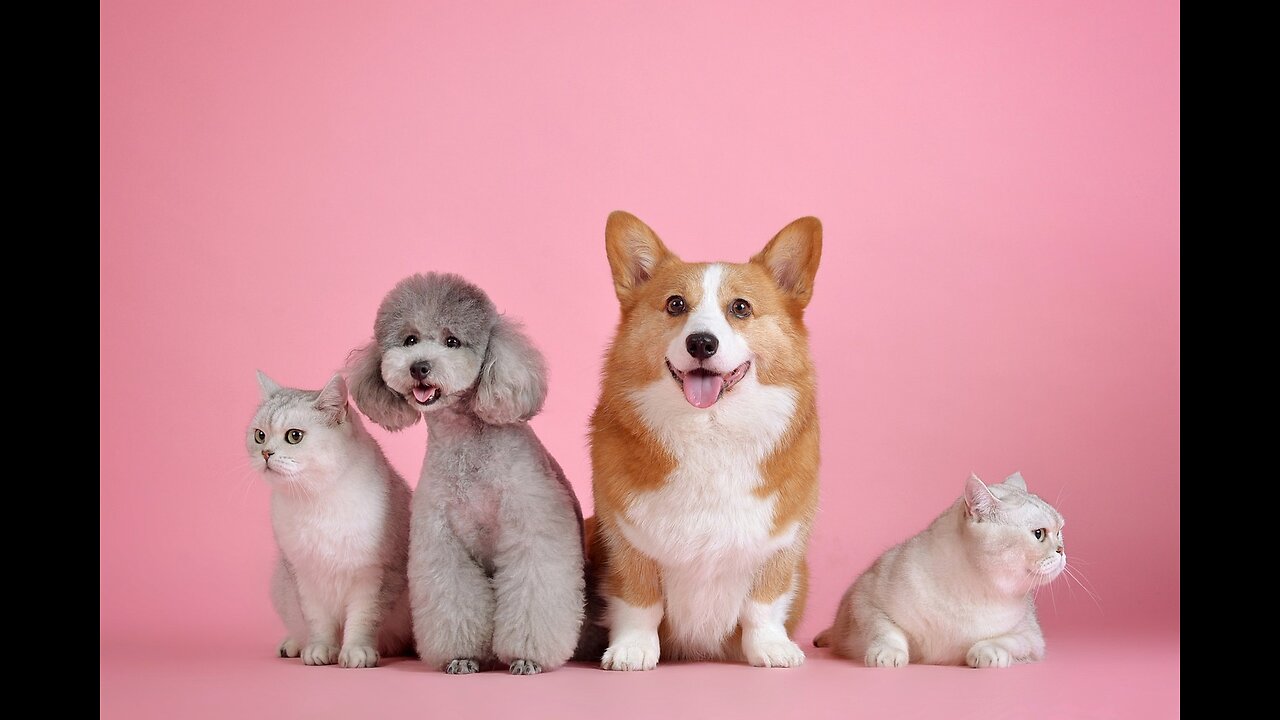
{"x": 999, "y": 186}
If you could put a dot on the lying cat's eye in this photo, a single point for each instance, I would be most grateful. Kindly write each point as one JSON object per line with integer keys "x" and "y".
{"x": 740, "y": 308}
{"x": 411, "y": 340}
{"x": 1039, "y": 533}
{"x": 293, "y": 436}
{"x": 259, "y": 436}
{"x": 452, "y": 341}
{"x": 675, "y": 305}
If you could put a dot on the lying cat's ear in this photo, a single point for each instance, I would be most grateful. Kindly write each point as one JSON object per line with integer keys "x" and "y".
{"x": 1016, "y": 481}
{"x": 978, "y": 500}
{"x": 332, "y": 400}
{"x": 269, "y": 386}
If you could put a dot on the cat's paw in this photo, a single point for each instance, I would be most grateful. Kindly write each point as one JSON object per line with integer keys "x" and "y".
{"x": 358, "y": 656}
{"x": 525, "y": 667}
{"x": 462, "y": 666}
{"x": 316, "y": 654}
{"x": 881, "y": 655}
{"x": 987, "y": 654}
{"x": 778, "y": 652}
{"x": 632, "y": 654}
{"x": 289, "y": 648}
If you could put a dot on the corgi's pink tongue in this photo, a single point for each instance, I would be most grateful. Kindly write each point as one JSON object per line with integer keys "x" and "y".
{"x": 421, "y": 393}
{"x": 702, "y": 389}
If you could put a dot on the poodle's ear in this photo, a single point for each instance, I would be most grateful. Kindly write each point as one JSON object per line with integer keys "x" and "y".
{"x": 269, "y": 386}
{"x": 332, "y": 400}
{"x": 513, "y": 379}
{"x": 372, "y": 396}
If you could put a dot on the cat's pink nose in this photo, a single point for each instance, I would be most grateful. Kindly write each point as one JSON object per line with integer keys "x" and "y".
{"x": 266, "y": 455}
{"x": 1059, "y": 547}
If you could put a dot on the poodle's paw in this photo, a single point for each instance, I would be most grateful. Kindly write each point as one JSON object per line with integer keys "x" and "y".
{"x": 462, "y": 666}
{"x": 881, "y": 655}
{"x": 289, "y": 648}
{"x": 316, "y": 654}
{"x": 525, "y": 667}
{"x": 773, "y": 652}
{"x": 632, "y": 654}
{"x": 358, "y": 656}
{"x": 986, "y": 654}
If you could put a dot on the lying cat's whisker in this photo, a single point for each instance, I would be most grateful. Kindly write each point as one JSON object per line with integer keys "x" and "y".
{"x": 1092, "y": 595}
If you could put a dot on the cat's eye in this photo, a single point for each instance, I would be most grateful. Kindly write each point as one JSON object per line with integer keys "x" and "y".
{"x": 259, "y": 436}
{"x": 1040, "y": 533}
{"x": 293, "y": 436}
{"x": 452, "y": 342}
{"x": 740, "y": 308}
{"x": 410, "y": 340}
{"x": 675, "y": 305}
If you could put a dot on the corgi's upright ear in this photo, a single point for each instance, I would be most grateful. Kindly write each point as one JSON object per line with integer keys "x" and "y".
{"x": 634, "y": 251}
{"x": 792, "y": 256}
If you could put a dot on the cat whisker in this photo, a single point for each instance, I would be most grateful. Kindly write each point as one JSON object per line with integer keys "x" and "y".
{"x": 1092, "y": 595}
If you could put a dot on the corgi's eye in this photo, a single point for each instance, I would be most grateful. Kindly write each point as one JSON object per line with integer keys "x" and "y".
{"x": 1040, "y": 533}
{"x": 259, "y": 436}
{"x": 410, "y": 340}
{"x": 740, "y": 308}
{"x": 294, "y": 436}
{"x": 675, "y": 305}
{"x": 452, "y": 341}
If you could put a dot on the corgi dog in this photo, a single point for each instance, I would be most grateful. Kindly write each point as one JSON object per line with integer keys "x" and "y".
{"x": 704, "y": 452}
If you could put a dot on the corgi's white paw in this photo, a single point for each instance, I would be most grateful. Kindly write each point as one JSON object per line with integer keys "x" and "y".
{"x": 636, "y": 653}
{"x": 775, "y": 652}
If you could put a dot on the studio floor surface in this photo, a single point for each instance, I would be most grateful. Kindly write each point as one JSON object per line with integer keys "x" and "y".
{"x": 1084, "y": 677}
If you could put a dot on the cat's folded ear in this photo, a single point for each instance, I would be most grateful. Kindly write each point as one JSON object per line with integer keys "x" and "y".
{"x": 269, "y": 386}
{"x": 1016, "y": 480}
{"x": 978, "y": 500}
{"x": 513, "y": 379}
{"x": 332, "y": 400}
{"x": 382, "y": 404}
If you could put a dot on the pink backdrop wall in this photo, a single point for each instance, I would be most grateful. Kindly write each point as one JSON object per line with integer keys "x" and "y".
{"x": 999, "y": 184}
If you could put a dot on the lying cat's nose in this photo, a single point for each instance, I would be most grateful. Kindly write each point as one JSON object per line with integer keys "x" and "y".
{"x": 420, "y": 369}
{"x": 1059, "y": 549}
{"x": 266, "y": 454}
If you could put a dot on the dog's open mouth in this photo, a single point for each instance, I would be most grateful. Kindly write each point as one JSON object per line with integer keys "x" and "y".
{"x": 702, "y": 388}
{"x": 425, "y": 394}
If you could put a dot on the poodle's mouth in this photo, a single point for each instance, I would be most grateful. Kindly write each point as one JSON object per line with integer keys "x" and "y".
{"x": 702, "y": 387}
{"x": 425, "y": 394}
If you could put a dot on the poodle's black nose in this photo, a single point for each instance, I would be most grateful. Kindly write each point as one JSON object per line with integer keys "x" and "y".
{"x": 420, "y": 370}
{"x": 701, "y": 345}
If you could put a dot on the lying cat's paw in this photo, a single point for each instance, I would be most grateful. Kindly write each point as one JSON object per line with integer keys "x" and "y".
{"x": 987, "y": 654}
{"x": 320, "y": 654}
{"x": 358, "y": 656}
{"x": 881, "y": 655}
{"x": 289, "y": 648}
{"x": 777, "y": 652}
{"x": 462, "y": 666}
{"x": 525, "y": 667}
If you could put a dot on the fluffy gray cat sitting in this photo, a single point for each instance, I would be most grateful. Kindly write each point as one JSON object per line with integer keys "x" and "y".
{"x": 341, "y": 520}
{"x": 495, "y": 550}
{"x": 962, "y": 591}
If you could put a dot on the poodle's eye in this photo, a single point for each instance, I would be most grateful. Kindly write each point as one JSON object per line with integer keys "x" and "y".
{"x": 259, "y": 436}
{"x": 293, "y": 436}
{"x": 1040, "y": 533}
{"x": 675, "y": 305}
{"x": 411, "y": 340}
{"x": 452, "y": 341}
{"x": 740, "y": 308}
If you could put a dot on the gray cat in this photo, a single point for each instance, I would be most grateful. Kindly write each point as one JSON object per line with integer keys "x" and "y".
{"x": 341, "y": 520}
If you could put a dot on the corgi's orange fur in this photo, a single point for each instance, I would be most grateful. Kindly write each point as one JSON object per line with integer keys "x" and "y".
{"x": 704, "y": 450}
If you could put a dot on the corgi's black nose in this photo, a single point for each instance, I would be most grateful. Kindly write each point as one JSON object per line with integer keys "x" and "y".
{"x": 701, "y": 345}
{"x": 420, "y": 370}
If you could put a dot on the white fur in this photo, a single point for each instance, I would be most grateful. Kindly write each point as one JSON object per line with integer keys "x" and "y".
{"x": 633, "y": 636}
{"x": 764, "y": 633}
{"x": 709, "y": 317}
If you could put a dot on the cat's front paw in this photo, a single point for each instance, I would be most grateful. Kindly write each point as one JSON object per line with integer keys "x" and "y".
{"x": 632, "y": 654}
{"x": 289, "y": 648}
{"x": 525, "y": 667}
{"x": 358, "y": 656}
{"x": 988, "y": 655}
{"x": 881, "y": 655}
{"x": 462, "y": 666}
{"x": 320, "y": 654}
{"x": 778, "y": 652}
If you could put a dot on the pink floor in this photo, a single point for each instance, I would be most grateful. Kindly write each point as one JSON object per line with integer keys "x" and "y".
{"x": 1084, "y": 677}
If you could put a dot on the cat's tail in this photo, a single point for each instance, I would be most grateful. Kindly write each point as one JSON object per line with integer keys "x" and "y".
{"x": 823, "y": 639}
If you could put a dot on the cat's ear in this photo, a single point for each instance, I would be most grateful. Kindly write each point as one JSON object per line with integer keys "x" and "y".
{"x": 978, "y": 500}
{"x": 792, "y": 256}
{"x": 1016, "y": 481}
{"x": 513, "y": 378}
{"x": 382, "y": 404}
{"x": 269, "y": 387}
{"x": 634, "y": 252}
{"x": 332, "y": 400}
